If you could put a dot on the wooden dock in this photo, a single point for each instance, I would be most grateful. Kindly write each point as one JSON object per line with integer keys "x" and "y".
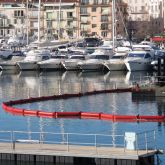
{"x": 60, "y": 153}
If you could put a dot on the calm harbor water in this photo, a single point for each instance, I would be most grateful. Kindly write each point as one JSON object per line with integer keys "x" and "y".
{"x": 32, "y": 84}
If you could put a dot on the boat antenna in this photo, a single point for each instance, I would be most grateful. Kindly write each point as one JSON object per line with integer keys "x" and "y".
{"x": 39, "y": 10}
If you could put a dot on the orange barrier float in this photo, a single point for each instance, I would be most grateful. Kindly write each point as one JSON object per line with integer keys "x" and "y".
{"x": 90, "y": 115}
{"x": 7, "y": 106}
{"x": 46, "y": 114}
{"x": 104, "y": 116}
{"x": 68, "y": 114}
{"x": 29, "y": 112}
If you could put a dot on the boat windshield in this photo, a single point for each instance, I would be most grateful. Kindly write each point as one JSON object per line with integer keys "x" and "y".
{"x": 78, "y": 57}
{"x": 141, "y": 55}
{"x": 117, "y": 57}
{"x": 100, "y": 57}
{"x": 59, "y": 57}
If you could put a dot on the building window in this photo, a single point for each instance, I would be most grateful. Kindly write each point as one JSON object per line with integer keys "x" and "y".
{"x": 69, "y": 14}
{"x": 49, "y": 24}
{"x": 18, "y": 13}
{"x": 104, "y": 18}
{"x": 104, "y": 34}
{"x": 49, "y": 15}
{"x": 83, "y": 10}
{"x": 105, "y": 2}
{"x": 95, "y": 2}
{"x": 94, "y": 9}
{"x": 104, "y": 26}
{"x": 84, "y": 2}
{"x": 15, "y": 21}
{"x": 94, "y": 25}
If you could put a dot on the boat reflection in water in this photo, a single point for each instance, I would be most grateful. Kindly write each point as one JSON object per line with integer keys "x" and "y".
{"x": 59, "y": 82}
{"x": 141, "y": 77}
{"x": 9, "y": 72}
{"x": 34, "y": 84}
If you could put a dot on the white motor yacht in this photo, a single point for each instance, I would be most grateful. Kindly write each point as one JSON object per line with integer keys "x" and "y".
{"x": 11, "y": 64}
{"x": 54, "y": 63}
{"x": 32, "y": 57}
{"x": 72, "y": 62}
{"x": 138, "y": 61}
{"x": 6, "y": 53}
{"x": 116, "y": 63}
{"x": 95, "y": 61}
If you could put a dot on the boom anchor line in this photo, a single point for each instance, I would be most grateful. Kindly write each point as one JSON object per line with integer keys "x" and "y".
{"x": 8, "y": 107}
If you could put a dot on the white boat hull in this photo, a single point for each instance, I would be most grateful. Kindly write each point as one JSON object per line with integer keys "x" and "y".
{"x": 91, "y": 66}
{"x": 50, "y": 66}
{"x": 28, "y": 65}
{"x": 71, "y": 65}
{"x": 8, "y": 66}
{"x": 115, "y": 66}
{"x": 137, "y": 66}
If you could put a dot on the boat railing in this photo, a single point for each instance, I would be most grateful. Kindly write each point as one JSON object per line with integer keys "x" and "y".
{"x": 142, "y": 141}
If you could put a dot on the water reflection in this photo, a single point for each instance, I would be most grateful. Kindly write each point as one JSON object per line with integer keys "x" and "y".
{"x": 139, "y": 76}
{"x": 31, "y": 84}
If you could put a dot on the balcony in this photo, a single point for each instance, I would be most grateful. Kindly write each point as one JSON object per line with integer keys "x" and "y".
{"x": 50, "y": 19}
{"x": 4, "y": 26}
{"x": 105, "y": 12}
{"x": 84, "y": 13}
{"x": 84, "y": 3}
{"x": 69, "y": 27}
{"x": 139, "y": 12}
{"x": 71, "y": 18}
{"x": 85, "y": 22}
{"x": 104, "y": 20}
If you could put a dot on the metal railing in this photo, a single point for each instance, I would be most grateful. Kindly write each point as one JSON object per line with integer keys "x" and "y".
{"x": 144, "y": 140}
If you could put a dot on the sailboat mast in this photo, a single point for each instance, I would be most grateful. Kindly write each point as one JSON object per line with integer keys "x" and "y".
{"x": 27, "y": 22}
{"x": 39, "y": 10}
{"x": 113, "y": 23}
{"x": 59, "y": 20}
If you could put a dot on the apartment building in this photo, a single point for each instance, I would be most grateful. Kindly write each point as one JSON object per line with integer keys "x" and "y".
{"x": 146, "y": 18}
{"x": 63, "y": 18}
{"x": 95, "y": 18}
{"x": 20, "y": 18}
{"x": 83, "y": 18}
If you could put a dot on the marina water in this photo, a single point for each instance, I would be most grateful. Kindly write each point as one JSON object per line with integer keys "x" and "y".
{"x": 34, "y": 84}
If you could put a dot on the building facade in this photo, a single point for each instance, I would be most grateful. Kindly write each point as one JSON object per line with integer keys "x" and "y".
{"x": 146, "y": 18}
{"x": 77, "y": 19}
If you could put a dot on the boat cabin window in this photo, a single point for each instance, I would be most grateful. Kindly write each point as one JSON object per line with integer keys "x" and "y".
{"x": 62, "y": 47}
{"x": 100, "y": 57}
{"x": 136, "y": 55}
{"x": 45, "y": 57}
{"x": 147, "y": 55}
{"x": 59, "y": 57}
{"x": 118, "y": 57}
{"x": 78, "y": 57}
